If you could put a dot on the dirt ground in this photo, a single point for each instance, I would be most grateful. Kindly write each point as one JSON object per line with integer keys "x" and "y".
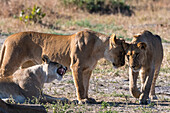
{"x": 110, "y": 89}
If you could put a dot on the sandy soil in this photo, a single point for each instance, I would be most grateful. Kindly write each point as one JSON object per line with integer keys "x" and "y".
{"x": 111, "y": 86}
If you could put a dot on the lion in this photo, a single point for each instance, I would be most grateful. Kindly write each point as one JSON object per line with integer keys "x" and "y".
{"x": 144, "y": 55}
{"x": 79, "y": 52}
{"x": 20, "y": 108}
{"x": 27, "y": 83}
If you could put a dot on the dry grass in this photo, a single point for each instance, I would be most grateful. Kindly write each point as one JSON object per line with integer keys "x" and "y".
{"x": 152, "y": 15}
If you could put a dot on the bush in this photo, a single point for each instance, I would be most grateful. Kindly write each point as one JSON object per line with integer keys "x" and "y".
{"x": 32, "y": 15}
{"x": 101, "y": 6}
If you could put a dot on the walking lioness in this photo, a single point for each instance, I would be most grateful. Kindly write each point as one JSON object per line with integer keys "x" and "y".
{"x": 79, "y": 52}
{"x": 145, "y": 55}
{"x": 28, "y": 83}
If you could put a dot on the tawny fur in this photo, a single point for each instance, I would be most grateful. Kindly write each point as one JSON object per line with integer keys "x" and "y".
{"x": 145, "y": 55}
{"x": 79, "y": 52}
{"x": 28, "y": 83}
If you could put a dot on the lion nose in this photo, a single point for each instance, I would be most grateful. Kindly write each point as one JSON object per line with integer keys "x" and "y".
{"x": 122, "y": 64}
{"x": 65, "y": 68}
{"x": 113, "y": 64}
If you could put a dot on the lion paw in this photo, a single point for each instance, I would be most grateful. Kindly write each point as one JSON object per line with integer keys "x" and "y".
{"x": 86, "y": 101}
{"x": 65, "y": 100}
{"x": 90, "y": 101}
{"x": 153, "y": 97}
{"x": 144, "y": 102}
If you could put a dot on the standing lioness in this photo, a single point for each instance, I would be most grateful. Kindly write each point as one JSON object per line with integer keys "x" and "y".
{"x": 79, "y": 51}
{"x": 145, "y": 55}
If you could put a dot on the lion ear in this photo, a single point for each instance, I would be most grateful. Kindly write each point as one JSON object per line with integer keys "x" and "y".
{"x": 142, "y": 45}
{"x": 125, "y": 45}
{"x": 113, "y": 40}
{"x": 46, "y": 59}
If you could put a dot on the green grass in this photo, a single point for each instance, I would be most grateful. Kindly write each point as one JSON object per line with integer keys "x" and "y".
{"x": 115, "y": 94}
{"x": 98, "y": 70}
{"x": 104, "y": 105}
{"x": 84, "y": 23}
{"x": 70, "y": 82}
{"x": 60, "y": 33}
{"x": 165, "y": 70}
{"x": 165, "y": 41}
{"x": 108, "y": 111}
{"x": 6, "y": 34}
{"x": 98, "y": 27}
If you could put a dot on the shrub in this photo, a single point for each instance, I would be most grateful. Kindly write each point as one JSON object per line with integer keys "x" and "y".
{"x": 100, "y": 6}
{"x": 32, "y": 15}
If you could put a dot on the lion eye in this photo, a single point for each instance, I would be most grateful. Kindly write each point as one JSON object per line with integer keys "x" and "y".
{"x": 121, "y": 54}
{"x": 137, "y": 54}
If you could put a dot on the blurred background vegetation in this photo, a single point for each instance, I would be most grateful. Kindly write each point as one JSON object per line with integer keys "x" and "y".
{"x": 123, "y": 17}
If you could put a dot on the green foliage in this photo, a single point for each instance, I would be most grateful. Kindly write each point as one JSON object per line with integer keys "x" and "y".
{"x": 115, "y": 94}
{"x": 97, "y": 27}
{"x": 165, "y": 41}
{"x": 165, "y": 70}
{"x": 32, "y": 15}
{"x": 70, "y": 82}
{"x": 104, "y": 105}
{"x": 84, "y": 23}
{"x": 60, "y": 108}
{"x": 108, "y": 111}
{"x": 101, "y": 6}
{"x": 151, "y": 104}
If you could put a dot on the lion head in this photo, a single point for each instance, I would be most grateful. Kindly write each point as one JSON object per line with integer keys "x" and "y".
{"x": 116, "y": 51}
{"x": 136, "y": 54}
{"x": 53, "y": 69}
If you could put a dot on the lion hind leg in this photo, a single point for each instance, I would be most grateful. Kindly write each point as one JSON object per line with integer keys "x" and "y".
{"x": 27, "y": 64}
{"x": 13, "y": 58}
{"x": 10, "y": 61}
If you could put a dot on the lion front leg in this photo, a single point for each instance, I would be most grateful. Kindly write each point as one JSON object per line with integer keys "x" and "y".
{"x": 147, "y": 86}
{"x": 50, "y": 99}
{"x": 78, "y": 82}
{"x": 86, "y": 79}
{"x": 81, "y": 80}
{"x": 142, "y": 79}
{"x": 133, "y": 76}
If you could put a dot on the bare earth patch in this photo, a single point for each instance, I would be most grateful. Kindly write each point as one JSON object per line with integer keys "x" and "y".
{"x": 110, "y": 89}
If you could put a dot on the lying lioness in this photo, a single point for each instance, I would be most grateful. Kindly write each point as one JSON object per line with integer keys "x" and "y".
{"x": 145, "y": 55}
{"x": 20, "y": 108}
{"x": 79, "y": 51}
{"x": 28, "y": 83}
